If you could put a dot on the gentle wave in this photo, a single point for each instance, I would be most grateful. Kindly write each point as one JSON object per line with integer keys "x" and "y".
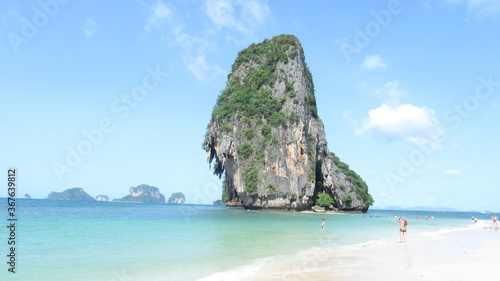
{"x": 237, "y": 273}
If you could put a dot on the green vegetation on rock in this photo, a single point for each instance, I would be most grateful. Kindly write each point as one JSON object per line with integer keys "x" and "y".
{"x": 274, "y": 50}
{"x": 245, "y": 150}
{"x": 251, "y": 96}
{"x": 226, "y": 129}
{"x": 225, "y": 191}
{"x": 251, "y": 180}
{"x": 272, "y": 189}
{"x": 324, "y": 200}
{"x": 249, "y": 133}
{"x": 348, "y": 200}
{"x": 361, "y": 189}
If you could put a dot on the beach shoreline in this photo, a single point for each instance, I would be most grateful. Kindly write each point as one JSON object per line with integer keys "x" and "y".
{"x": 449, "y": 253}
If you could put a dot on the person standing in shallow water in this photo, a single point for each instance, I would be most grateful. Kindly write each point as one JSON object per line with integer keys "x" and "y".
{"x": 323, "y": 224}
{"x": 402, "y": 229}
{"x": 495, "y": 221}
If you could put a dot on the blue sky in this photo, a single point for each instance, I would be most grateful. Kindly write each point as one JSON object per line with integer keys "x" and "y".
{"x": 106, "y": 96}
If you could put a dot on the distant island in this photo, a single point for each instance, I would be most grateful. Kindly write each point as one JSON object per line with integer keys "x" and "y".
{"x": 219, "y": 202}
{"x": 103, "y": 198}
{"x": 177, "y": 198}
{"x": 418, "y": 208}
{"x": 76, "y": 194}
{"x": 27, "y": 196}
{"x": 143, "y": 194}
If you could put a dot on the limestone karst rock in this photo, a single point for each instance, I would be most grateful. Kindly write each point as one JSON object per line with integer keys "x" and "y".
{"x": 266, "y": 139}
{"x": 176, "y": 198}
{"x": 103, "y": 198}
{"x": 143, "y": 194}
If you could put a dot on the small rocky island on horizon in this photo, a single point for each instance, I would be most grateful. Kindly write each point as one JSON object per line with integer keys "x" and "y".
{"x": 140, "y": 194}
{"x": 75, "y": 194}
{"x": 143, "y": 194}
{"x": 102, "y": 198}
{"x": 177, "y": 198}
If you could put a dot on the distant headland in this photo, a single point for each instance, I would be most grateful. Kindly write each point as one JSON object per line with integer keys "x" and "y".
{"x": 76, "y": 194}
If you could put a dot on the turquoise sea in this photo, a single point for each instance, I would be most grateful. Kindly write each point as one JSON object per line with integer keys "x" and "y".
{"x": 72, "y": 240}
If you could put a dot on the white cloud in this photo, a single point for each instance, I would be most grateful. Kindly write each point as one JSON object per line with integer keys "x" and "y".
{"x": 454, "y": 143}
{"x": 480, "y": 8}
{"x": 419, "y": 172}
{"x": 401, "y": 122}
{"x": 221, "y": 12}
{"x": 494, "y": 105}
{"x": 485, "y": 8}
{"x": 160, "y": 14}
{"x": 89, "y": 28}
{"x": 346, "y": 113}
{"x": 391, "y": 90}
{"x": 426, "y": 143}
{"x": 396, "y": 121}
{"x": 193, "y": 48}
{"x": 237, "y": 15}
{"x": 452, "y": 172}
{"x": 241, "y": 15}
{"x": 373, "y": 62}
{"x": 203, "y": 70}
{"x": 259, "y": 13}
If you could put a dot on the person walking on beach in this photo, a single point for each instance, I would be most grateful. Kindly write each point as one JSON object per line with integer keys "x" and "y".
{"x": 402, "y": 229}
{"x": 323, "y": 224}
{"x": 495, "y": 221}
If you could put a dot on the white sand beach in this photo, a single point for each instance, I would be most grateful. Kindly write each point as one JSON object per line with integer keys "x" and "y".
{"x": 451, "y": 254}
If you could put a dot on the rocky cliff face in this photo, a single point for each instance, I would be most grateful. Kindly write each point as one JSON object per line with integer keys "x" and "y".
{"x": 266, "y": 139}
{"x": 177, "y": 198}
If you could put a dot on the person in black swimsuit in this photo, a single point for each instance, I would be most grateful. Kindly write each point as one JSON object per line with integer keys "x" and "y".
{"x": 402, "y": 229}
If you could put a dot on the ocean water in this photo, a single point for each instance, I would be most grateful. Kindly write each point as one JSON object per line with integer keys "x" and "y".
{"x": 72, "y": 240}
